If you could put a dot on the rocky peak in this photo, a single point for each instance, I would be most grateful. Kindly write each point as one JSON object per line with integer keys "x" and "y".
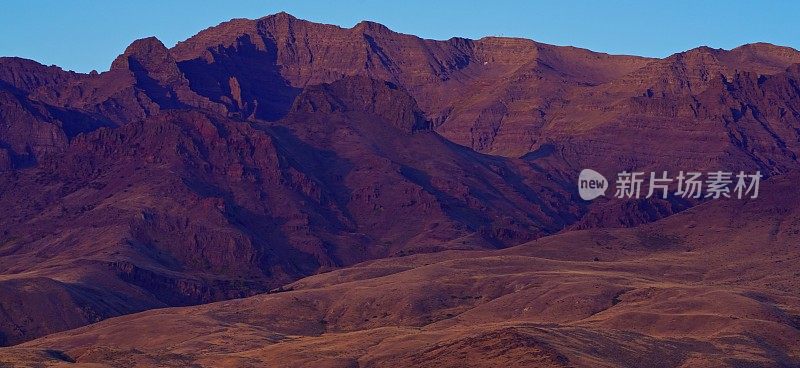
{"x": 279, "y": 23}
{"x": 149, "y": 55}
{"x": 142, "y": 50}
{"x": 697, "y": 57}
{"x": 366, "y": 26}
{"x": 155, "y": 72}
{"x": 279, "y": 17}
{"x": 762, "y": 57}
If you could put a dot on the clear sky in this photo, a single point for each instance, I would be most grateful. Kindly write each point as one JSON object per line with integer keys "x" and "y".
{"x": 82, "y": 35}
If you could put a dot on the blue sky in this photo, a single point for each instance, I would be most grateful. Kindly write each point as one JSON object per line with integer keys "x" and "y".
{"x": 82, "y": 35}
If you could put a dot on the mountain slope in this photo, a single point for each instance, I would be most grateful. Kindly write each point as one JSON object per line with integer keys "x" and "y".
{"x": 187, "y": 207}
{"x": 673, "y": 293}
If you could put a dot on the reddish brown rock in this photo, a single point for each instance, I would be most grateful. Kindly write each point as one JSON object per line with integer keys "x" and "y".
{"x": 188, "y": 207}
{"x": 260, "y": 151}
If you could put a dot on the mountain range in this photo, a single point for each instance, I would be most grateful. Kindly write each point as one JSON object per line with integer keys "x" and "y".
{"x": 358, "y": 188}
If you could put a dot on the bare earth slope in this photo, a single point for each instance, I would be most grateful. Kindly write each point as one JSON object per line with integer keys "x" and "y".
{"x": 675, "y": 293}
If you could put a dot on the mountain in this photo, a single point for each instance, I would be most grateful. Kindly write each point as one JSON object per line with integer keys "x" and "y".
{"x": 674, "y": 293}
{"x": 496, "y": 95}
{"x": 187, "y": 207}
{"x": 504, "y": 96}
{"x": 259, "y": 152}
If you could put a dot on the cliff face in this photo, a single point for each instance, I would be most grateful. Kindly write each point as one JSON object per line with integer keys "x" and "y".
{"x": 261, "y": 151}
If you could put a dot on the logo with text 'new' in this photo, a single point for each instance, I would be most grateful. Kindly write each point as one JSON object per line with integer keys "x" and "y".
{"x": 686, "y": 184}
